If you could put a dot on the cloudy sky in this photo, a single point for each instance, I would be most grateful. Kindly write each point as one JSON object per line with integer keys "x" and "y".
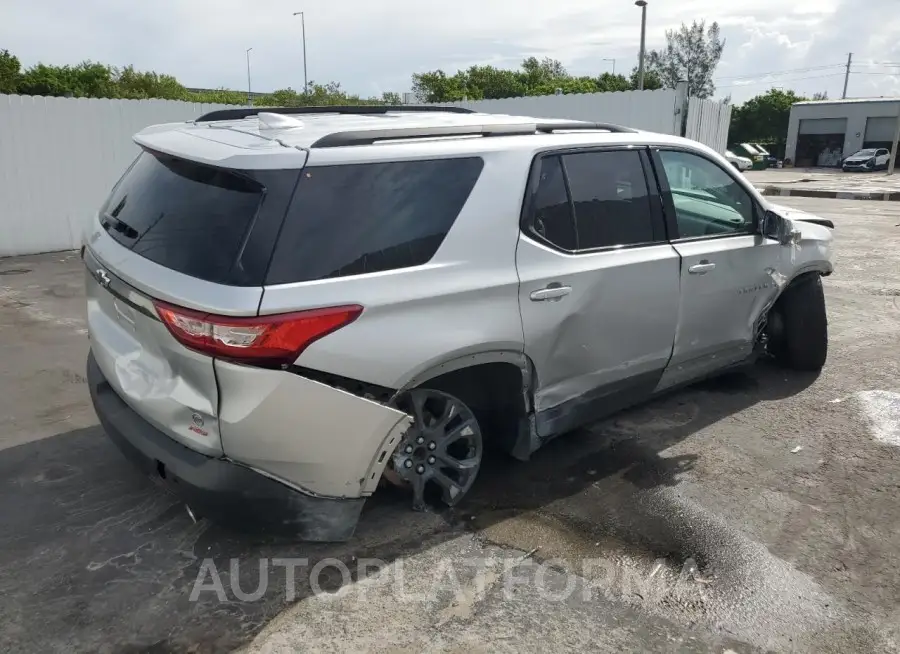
{"x": 374, "y": 46}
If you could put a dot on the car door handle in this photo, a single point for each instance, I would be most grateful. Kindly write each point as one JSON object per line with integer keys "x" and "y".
{"x": 701, "y": 268}
{"x": 550, "y": 293}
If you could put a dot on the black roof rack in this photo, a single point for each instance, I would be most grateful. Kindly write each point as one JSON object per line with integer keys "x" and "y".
{"x": 370, "y": 136}
{"x": 364, "y": 109}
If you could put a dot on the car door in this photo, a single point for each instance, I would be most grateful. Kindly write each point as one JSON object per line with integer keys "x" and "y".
{"x": 598, "y": 284}
{"x": 882, "y": 157}
{"x": 725, "y": 270}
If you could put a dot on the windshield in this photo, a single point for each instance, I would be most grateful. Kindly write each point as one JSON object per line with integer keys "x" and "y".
{"x": 865, "y": 153}
{"x": 749, "y": 148}
{"x": 729, "y": 153}
{"x": 170, "y": 211}
{"x": 761, "y": 149}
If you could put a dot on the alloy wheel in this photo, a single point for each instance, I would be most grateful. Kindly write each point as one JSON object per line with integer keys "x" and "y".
{"x": 441, "y": 452}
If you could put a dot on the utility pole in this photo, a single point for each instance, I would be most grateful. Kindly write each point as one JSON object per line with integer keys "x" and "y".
{"x": 303, "y": 32}
{"x": 847, "y": 75}
{"x": 643, "y": 5}
{"x": 249, "y": 91}
{"x": 895, "y": 143}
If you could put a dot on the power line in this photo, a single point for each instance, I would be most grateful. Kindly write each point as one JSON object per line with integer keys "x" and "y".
{"x": 780, "y": 81}
{"x": 782, "y": 72}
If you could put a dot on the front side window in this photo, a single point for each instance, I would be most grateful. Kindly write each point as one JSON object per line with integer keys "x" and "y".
{"x": 708, "y": 201}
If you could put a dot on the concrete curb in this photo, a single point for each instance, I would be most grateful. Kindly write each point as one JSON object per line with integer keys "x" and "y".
{"x": 838, "y": 195}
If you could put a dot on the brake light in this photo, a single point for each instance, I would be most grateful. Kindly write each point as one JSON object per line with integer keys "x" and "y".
{"x": 273, "y": 340}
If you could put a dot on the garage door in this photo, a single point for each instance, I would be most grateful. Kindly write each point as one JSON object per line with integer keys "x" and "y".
{"x": 881, "y": 128}
{"x": 823, "y": 126}
{"x": 821, "y": 142}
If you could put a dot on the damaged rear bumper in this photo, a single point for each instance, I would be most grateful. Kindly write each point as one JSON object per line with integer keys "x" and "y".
{"x": 218, "y": 488}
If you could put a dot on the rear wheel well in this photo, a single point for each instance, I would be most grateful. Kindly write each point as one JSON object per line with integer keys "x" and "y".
{"x": 494, "y": 393}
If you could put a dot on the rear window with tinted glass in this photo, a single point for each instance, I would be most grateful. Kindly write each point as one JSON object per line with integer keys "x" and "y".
{"x": 182, "y": 215}
{"x": 362, "y": 218}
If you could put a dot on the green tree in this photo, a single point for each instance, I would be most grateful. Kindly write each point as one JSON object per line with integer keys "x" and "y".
{"x": 609, "y": 82}
{"x": 85, "y": 80}
{"x": 140, "y": 85}
{"x": 436, "y": 86}
{"x": 652, "y": 80}
{"x": 763, "y": 119}
{"x": 542, "y": 73}
{"x": 691, "y": 53}
{"x": 10, "y": 72}
{"x": 489, "y": 83}
{"x": 46, "y": 80}
{"x": 94, "y": 80}
{"x": 535, "y": 77}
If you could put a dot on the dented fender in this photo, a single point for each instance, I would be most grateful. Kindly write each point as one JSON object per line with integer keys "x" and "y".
{"x": 810, "y": 252}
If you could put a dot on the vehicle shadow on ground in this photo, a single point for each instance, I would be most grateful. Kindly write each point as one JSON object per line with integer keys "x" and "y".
{"x": 94, "y": 557}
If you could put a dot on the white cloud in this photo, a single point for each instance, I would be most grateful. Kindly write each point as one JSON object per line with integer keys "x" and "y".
{"x": 371, "y": 47}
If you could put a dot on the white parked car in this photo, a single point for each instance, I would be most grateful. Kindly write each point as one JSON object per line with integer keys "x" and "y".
{"x": 868, "y": 159}
{"x": 741, "y": 163}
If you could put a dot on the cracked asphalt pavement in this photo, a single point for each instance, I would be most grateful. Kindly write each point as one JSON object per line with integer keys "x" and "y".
{"x": 755, "y": 512}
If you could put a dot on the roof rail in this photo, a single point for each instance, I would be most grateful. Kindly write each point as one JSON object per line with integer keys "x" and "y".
{"x": 364, "y": 109}
{"x": 370, "y": 136}
{"x": 578, "y": 125}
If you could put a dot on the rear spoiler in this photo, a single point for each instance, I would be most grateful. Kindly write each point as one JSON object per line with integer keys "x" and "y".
{"x": 816, "y": 221}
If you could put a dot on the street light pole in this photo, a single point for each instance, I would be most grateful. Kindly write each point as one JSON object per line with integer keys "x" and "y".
{"x": 303, "y": 32}
{"x": 643, "y": 5}
{"x": 249, "y": 91}
{"x": 613, "y": 63}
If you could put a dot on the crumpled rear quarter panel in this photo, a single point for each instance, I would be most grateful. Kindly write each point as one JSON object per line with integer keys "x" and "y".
{"x": 320, "y": 439}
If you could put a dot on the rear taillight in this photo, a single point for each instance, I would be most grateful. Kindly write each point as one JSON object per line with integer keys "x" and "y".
{"x": 270, "y": 340}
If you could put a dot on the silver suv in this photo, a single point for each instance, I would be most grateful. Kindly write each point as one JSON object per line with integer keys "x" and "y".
{"x": 287, "y": 307}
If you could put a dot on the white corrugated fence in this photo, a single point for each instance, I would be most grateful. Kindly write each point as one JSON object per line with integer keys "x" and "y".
{"x": 59, "y": 158}
{"x": 708, "y": 122}
{"x": 653, "y": 111}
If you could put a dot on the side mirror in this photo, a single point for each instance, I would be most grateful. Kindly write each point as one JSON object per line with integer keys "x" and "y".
{"x": 781, "y": 229}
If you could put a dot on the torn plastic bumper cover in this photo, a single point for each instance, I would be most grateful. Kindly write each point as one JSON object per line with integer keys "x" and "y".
{"x": 220, "y": 489}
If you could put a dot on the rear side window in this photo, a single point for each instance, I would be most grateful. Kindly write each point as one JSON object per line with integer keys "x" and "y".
{"x": 552, "y": 211}
{"x": 182, "y": 215}
{"x": 363, "y": 218}
{"x": 609, "y": 191}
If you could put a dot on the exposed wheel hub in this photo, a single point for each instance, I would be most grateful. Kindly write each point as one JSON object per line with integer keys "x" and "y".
{"x": 441, "y": 453}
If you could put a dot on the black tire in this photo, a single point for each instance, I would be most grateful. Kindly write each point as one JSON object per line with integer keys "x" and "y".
{"x": 736, "y": 165}
{"x": 802, "y": 341}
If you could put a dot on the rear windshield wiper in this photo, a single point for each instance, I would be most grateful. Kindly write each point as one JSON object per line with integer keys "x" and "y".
{"x": 120, "y": 226}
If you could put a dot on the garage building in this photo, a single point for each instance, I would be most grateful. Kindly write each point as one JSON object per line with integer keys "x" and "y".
{"x": 823, "y": 132}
